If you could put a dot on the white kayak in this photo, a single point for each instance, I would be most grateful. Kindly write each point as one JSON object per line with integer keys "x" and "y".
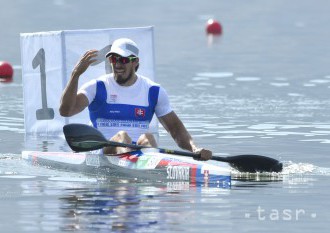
{"x": 147, "y": 164}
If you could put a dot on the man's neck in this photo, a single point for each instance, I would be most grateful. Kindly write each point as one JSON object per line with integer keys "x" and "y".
{"x": 128, "y": 82}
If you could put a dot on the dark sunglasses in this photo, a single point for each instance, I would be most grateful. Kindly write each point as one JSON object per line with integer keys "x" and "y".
{"x": 122, "y": 60}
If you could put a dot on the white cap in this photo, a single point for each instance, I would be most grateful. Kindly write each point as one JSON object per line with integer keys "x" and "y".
{"x": 124, "y": 47}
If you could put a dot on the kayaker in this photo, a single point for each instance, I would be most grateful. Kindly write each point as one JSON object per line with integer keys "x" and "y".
{"x": 122, "y": 104}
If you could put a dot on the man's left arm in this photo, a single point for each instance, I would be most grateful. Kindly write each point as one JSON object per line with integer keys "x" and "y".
{"x": 181, "y": 136}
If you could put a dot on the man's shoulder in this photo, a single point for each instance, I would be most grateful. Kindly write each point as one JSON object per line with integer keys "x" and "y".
{"x": 105, "y": 77}
{"x": 148, "y": 81}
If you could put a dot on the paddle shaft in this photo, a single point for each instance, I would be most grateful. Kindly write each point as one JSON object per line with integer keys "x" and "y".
{"x": 167, "y": 151}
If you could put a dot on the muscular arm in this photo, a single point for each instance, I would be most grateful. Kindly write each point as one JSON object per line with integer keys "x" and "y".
{"x": 179, "y": 133}
{"x": 71, "y": 102}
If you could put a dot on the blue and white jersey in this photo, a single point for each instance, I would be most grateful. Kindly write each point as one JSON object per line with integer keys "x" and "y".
{"x": 113, "y": 107}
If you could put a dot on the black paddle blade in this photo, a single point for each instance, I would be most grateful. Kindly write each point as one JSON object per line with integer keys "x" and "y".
{"x": 254, "y": 163}
{"x": 82, "y": 137}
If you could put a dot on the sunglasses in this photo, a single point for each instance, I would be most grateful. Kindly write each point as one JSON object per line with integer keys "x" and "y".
{"x": 121, "y": 60}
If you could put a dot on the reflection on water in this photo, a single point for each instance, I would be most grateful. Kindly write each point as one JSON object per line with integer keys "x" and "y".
{"x": 45, "y": 143}
{"x": 116, "y": 205}
{"x": 106, "y": 208}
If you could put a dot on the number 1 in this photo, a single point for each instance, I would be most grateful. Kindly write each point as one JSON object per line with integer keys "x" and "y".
{"x": 44, "y": 113}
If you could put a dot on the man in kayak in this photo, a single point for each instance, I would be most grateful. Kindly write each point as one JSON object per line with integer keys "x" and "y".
{"x": 122, "y": 104}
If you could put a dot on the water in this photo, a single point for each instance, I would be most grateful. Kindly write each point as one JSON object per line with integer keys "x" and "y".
{"x": 261, "y": 88}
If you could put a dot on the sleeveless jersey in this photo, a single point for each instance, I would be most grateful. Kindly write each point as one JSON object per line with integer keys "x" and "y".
{"x": 113, "y": 107}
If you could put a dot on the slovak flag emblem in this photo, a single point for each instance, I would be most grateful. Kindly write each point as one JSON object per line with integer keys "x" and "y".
{"x": 140, "y": 112}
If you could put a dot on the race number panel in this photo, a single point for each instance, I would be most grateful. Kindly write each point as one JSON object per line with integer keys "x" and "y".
{"x": 48, "y": 59}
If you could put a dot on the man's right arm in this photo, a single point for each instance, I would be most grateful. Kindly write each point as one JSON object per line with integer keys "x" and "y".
{"x": 71, "y": 102}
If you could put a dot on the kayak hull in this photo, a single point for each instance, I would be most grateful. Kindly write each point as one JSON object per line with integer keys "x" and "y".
{"x": 146, "y": 164}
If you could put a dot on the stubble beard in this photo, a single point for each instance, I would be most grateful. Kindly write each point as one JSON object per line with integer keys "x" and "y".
{"x": 122, "y": 80}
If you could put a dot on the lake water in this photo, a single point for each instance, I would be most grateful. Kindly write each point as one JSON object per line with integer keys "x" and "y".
{"x": 260, "y": 88}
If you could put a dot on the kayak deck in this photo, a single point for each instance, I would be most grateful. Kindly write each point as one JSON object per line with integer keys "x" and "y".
{"x": 142, "y": 164}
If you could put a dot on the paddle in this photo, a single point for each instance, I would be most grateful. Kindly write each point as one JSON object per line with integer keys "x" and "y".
{"x": 82, "y": 138}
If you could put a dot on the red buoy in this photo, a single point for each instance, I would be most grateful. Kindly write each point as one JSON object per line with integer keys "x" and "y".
{"x": 6, "y": 72}
{"x": 213, "y": 27}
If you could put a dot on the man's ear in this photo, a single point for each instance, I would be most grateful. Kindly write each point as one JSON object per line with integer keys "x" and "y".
{"x": 137, "y": 64}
